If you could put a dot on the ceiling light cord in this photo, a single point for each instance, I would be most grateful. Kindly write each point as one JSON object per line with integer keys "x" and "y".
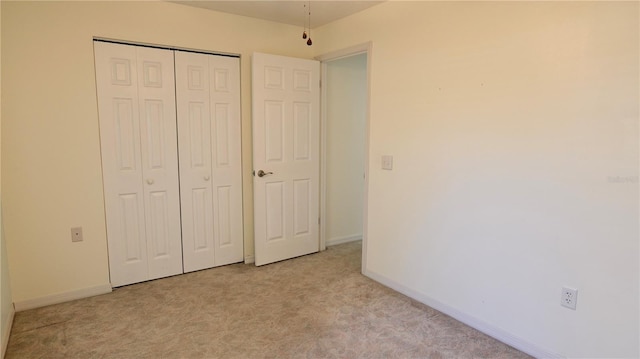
{"x": 309, "y": 42}
{"x": 304, "y": 16}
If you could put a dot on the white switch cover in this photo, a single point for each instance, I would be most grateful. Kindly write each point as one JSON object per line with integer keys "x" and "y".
{"x": 387, "y": 162}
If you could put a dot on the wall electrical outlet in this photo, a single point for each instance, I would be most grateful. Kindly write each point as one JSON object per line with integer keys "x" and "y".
{"x": 569, "y": 297}
{"x": 76, "y": 234}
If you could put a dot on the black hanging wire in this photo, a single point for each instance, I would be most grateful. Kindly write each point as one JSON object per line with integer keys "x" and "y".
{"x": 309, "y": 42}
{"x": 304, "y": 31}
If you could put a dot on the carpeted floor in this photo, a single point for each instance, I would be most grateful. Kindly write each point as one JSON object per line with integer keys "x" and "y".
{"x": 317, "y": 306}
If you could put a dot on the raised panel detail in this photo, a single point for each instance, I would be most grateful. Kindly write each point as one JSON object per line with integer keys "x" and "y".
{"x": 222, "y": 134}
{"x": 158, "y": 232}
{"x": 129, "y": 210}
{"x": 301, "y": 128}
{"x": 224, "y": 215}
{"x": 137, "y": 108}
{"x": 274, "y": 192}
{"x": 301, "y": 200}
{"x": 301, "y": 80}
{"x": 274, "y": 131}
{"x": 221, "y": 80}
{"x": 125, "y": 134}
{"x": 195, "y": 78}
{"x": 154, "y": 113}
{"x": 199, "y": 213}
{"x": 152, "y": 74}
{"x": 274, "y": 78}
{"x": 196, "y": 133}
{"x": 120, "y": 72}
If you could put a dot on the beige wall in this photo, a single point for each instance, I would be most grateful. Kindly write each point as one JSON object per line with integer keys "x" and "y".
{"x": 51, "y": 152}
{"x": 6, "y": 303}
{"x": 346, "y": 98}
{"x": 514, "y": 130}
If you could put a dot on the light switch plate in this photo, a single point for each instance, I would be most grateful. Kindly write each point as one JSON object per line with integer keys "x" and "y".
{"x": 387, "y": 162}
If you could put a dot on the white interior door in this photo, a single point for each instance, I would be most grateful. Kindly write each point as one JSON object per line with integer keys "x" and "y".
{"x": 136, "y": 102}
{"x": 208, "y": 100}
{"x": 286, "y": 124}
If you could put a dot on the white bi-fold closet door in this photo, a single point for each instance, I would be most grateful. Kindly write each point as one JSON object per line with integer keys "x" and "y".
{"x": 136, "y": 102}
{"x": 208, "y": 99}
{"x": 157, "y": 141}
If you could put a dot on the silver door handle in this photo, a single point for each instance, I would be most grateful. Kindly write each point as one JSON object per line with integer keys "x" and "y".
{"x": 262, "y": 173}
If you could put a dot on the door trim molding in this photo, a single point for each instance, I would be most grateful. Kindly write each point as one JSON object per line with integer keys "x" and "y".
{"x": 164, "y": 47}
{"x": 364, "y": 48}
{"x": 346, "y": 52}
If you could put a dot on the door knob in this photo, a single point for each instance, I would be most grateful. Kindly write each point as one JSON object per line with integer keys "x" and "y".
{"x": 149, "y": 181}
{"x": 262, "y": 173}
{"x": 206, "y": 178}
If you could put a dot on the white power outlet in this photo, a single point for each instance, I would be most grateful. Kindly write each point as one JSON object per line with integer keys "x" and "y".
{"x": 76, "y": 234}
{"x": 569, "y": 297}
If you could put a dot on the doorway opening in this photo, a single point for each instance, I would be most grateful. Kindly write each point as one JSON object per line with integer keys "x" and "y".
{"x": 344, "y": 146}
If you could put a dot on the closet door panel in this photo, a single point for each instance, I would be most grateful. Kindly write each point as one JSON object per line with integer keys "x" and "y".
{"x": 116, "y": 77}
{"x": 159, "y": 146}
{"x": 194, "y": 141}
{"x": 224, "y": 77}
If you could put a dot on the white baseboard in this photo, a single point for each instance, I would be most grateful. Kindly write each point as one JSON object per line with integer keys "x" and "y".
{"x": 6, "y": 331}
{"x": 62, "y": 297}
{"x": 488, "y": 329}
{"x": 341, "y": 240}
{"x": 249, "y": 259}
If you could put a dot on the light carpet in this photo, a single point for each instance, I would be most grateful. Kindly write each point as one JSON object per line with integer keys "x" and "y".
{"x": 316, "y": 306}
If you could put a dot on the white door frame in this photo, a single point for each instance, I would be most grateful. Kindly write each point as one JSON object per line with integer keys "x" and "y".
{"x": 365, "y": 48}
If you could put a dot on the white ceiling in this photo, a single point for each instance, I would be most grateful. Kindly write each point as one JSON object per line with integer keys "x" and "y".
{"x": 291, "y": 12}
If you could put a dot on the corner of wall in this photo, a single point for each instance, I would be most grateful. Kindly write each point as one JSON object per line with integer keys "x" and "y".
{"x": 62, "y": 297}
{"x": 491, "y": 330}
{"x": 6, "y": 299}
{"x": 6, "y": 331}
